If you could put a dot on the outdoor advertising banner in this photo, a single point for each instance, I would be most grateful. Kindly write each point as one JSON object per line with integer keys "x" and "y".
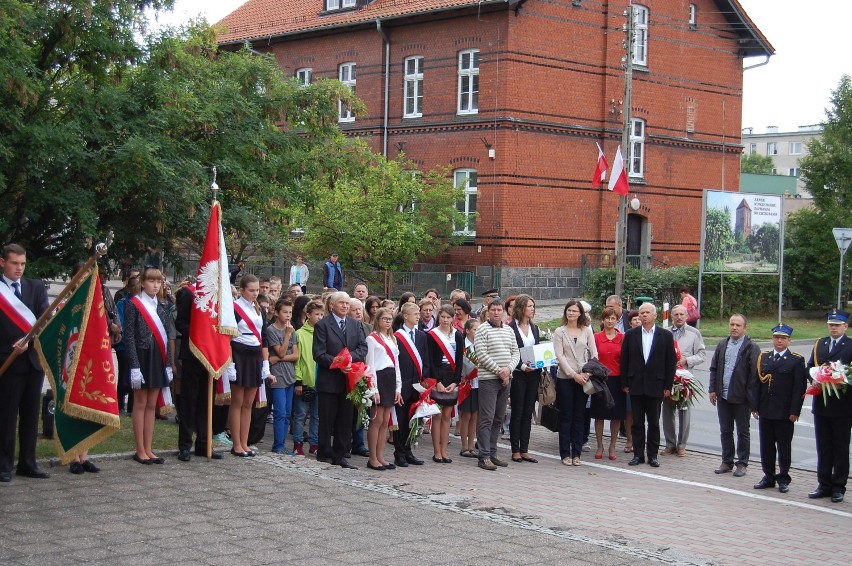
{"x": 742, "y": 233}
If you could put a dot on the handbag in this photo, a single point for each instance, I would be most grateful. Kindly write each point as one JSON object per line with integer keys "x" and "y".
{"x": 308, "y": 394}
{"x": 445, "y": 397}
{"x": 546, "y": 389}
{"x": 550, "y": 417}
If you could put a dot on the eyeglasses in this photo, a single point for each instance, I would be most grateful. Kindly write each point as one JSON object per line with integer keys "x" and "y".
{"x": 386, "y": 319}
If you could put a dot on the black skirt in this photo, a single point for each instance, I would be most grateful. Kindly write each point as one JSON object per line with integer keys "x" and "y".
{"x": 598, "y": 409}
{"x": 386, "y": 384}
{"x": 471, "y": 404}
{"x": 248, "y": 360}
{"x": 153, "y": 370}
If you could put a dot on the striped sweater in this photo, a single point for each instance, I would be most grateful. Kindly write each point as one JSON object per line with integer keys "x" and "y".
{"x": 495, "y": 348}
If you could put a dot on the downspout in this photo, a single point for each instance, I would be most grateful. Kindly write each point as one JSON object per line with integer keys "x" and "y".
{"x": 386, "y": 39}
{"x": 757, "y": 64}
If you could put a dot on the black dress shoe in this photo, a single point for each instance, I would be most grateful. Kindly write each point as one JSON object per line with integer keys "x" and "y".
{"x": 158, "y": 460}
{"x": 145, "y": 461}
{"x": 400, "y": 462}
{"x": 213, "y": 455}
{"x": 76, "y": 468}
{"x": 437, "y": 460}
{"x": 372, "y": 467}
{"x": 413, "y": 460}
{"x": 636, "y": 461}
{"x": 346, "y": 465}
{"x": 37, "y": 474}
{"x": 819, "y": 493}
{"x": 654, "y": 463}
{"x": 837, "y": 497}
{"x": 5, "y": 477}
{"x": 447, "y": 460}
{"x": 390, "y": 467}
{"x": 362, "y": 452}
{"x": 765, "y": 483}
{"x": 783, "y": 487}
{"x": 184, "y": 455}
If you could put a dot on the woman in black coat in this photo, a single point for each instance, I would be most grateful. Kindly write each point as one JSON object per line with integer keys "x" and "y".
{"x": 446, "y": 349}
{"x": 525, "y": 379}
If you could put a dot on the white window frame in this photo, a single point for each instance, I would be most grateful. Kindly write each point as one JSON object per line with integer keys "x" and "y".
{"x": 640, "y": 35}
{"x": 771, "y": 148}
{"x": 693, "y": 16}
{"x": 464, "y": 206}
{"x": 636, "y": 155}
{"x": 412, "y": 87}
{"x": 304, "y": 76}
{"x": 795, "y": 148}
{"x": 347, "y": 75}
{"x": 793, "y": 171}
{"x": 339, "y": 4}
{"x": 468, "y": 75}
{"x": 752, "y": 148}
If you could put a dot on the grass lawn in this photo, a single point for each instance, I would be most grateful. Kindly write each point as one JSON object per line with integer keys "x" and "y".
{"x": 165, "y": 438}
{"x": 759, "y": 328}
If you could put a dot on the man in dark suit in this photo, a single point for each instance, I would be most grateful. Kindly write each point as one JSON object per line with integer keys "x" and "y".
{"x": 832, "y": 415}
{"x": 412, "y": 369}
{"x": 20, "y": 386}
{"x": 194, "y": 381}
{"x": 733, "y": 378}
{"x": 331, "y": 335}
{"x": 777, "y": 406}
{"x": 648, "y": 365}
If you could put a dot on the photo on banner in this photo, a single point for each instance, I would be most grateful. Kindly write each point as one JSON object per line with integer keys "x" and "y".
{"x": 742, "y": 233}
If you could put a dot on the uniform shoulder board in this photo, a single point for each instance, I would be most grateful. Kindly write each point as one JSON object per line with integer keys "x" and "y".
{"x": 798, "y": 355}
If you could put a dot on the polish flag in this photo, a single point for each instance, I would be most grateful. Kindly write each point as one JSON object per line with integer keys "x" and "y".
{"x": 600, "y": 168}
{"x": 213, "y": 322}
{"x": 618, "y": 180}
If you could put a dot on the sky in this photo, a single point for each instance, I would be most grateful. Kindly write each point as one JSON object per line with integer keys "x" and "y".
{"x": 811, "y": 41}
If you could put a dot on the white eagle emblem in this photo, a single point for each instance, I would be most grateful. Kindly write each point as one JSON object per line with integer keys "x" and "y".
{"x": 207, "y": 289}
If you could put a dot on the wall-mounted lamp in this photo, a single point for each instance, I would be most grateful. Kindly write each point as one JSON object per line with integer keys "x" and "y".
{"x": 634, "y": 203}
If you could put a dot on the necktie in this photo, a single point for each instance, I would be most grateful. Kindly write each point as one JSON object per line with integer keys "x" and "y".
{"x": 17, "y": 287}
{"x": 343, "y": 325}
{"x": 411, "y": 333}
{"x": 833, "y": 342}
{"x": 777, "y": 356}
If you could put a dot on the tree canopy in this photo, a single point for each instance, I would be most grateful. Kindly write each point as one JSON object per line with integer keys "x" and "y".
{"x": 100, "y": 131}
{"x": 756, "y": 163}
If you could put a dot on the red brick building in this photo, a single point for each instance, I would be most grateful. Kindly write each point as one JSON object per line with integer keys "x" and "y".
{"x": 513, "y": 95}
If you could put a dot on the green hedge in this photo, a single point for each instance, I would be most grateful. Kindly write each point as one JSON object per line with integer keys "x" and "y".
{"x": 751, "y": 295}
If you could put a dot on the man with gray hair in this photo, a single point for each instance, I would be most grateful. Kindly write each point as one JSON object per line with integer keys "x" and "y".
{"x": 616, "y": 303}
{"x": 692, "y": 352}
{"x": 648, "y": 365}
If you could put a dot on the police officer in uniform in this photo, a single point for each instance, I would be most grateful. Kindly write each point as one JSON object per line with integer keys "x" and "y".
{"x": 832, "y": 415}
{"x": 777, "y": 406}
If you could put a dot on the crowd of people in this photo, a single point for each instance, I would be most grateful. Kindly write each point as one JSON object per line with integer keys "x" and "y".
{"x": 285, "y": 362}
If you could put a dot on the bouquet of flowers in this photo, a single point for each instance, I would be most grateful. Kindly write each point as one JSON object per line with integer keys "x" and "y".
{"x": 829, "y": 379}
{"x": 686, "y": 389}
{"x": 421, "y": 410}
{"x": 360, "y": 385}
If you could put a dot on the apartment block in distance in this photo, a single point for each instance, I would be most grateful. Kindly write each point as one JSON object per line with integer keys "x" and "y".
{"x": 785, "y": 148}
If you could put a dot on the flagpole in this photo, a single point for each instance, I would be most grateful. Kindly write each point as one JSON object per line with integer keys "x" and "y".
{"x": 621, "y": 225}
{"x": 214, "y": 188}
{"x": 69, "y": 289}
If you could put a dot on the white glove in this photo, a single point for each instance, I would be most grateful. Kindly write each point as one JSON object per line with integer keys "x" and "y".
{"x": 169, "y": 375}
{"x": 264, "y": 369}
{"x": 231, "y": 372}
{"x": 136, "y": 379}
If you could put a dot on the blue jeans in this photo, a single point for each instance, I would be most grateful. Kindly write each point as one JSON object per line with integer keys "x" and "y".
{"x": 571, "y": 402}
{"x": 300, "y": 410}
{"x": 282, "y": 400}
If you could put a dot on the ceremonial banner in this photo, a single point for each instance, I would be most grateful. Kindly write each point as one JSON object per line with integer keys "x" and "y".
{"x": 76, "y": 354}
{"x": 213, "y": 322}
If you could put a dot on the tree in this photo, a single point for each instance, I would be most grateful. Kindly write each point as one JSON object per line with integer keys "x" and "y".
{"x": 385, "y": 217}
{"x": 719, "y": 238}
{"x": 765, "y": 242}
{"x": 827, "y": 169}
{"x": 757, "y": 164}
{"x": 811, "y": 258}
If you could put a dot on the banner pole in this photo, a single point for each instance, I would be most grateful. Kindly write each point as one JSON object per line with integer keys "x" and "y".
{"x": 210, "y": 386}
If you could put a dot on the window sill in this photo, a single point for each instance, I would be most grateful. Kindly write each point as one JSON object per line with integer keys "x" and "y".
{"x": 338, "y": 10}
{"x": 467, "y": 112}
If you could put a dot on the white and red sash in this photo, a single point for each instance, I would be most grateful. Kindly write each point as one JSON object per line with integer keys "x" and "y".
{"x": 403, "y": 339}
{"x": 443, "y": 346}
{"x": 247, "y": 320}
{"x": 152, "y": 319}
{"x": 15, "y": 309}
{"x": 384, "y": 345}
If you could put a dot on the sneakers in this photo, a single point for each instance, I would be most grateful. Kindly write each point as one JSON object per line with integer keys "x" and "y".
{"x": 297, "y": 449}
{"x": 313, "y": 449}
{"x": 222, "y": 438}
{"x": 487, "y": 464}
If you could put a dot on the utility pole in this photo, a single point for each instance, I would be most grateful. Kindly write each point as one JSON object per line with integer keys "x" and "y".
{"x": 621, "y": 225}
